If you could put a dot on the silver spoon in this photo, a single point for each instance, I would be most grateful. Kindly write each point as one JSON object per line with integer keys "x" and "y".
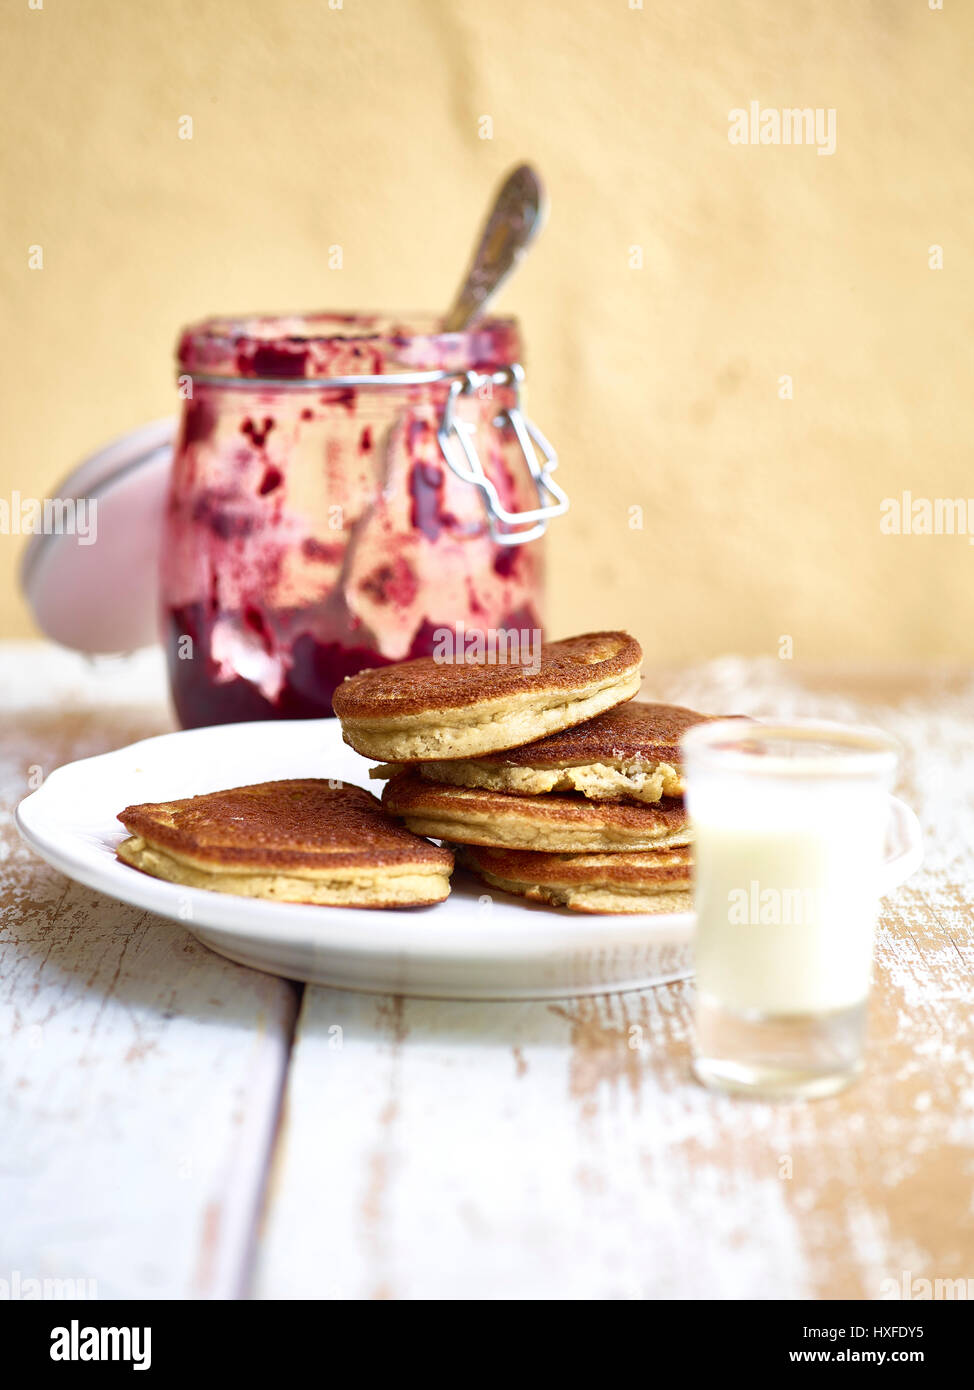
{"x": 515, "y": 218}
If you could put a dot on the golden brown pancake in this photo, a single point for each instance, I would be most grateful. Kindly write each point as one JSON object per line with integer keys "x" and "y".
{"x": 553, "y": 824}
{"x": 428, "y": 709}
{"x": 646, "y": 881}
{"x": 307, "y": 840}
{"x": 629, "y": 753}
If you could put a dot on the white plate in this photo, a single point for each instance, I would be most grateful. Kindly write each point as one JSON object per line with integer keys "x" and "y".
{"x": 476, "y": 945}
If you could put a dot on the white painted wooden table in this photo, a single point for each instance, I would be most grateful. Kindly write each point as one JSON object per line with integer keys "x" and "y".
{"x": 172, "y": 1125}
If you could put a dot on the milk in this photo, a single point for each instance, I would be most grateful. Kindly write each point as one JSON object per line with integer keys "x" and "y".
{"x": 786, "y": 892}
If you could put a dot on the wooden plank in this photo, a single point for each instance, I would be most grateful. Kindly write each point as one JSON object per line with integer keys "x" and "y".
{"x": 140, "y": 1074}
{"x": 563, "y": 1150}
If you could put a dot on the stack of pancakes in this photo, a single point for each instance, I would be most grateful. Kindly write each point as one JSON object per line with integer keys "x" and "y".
{"x": 550, "y": 779}
{"x": 552, "y": 784}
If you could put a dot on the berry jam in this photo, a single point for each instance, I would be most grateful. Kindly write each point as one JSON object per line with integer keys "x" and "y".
{"x": 316, "y": 530}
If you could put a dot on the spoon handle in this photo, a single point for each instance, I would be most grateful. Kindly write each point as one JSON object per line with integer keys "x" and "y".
{"x": 515, "y": 217}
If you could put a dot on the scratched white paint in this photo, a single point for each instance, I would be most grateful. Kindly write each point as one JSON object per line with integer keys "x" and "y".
{"x": 139, "y": 1073}
{"x": 471, "y": 1152}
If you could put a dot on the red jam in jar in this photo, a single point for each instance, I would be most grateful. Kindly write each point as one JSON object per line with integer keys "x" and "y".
{"x": 314, "y": 526}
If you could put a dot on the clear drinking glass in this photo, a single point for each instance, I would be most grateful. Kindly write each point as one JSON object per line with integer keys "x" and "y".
{"x": 790, "y": 824}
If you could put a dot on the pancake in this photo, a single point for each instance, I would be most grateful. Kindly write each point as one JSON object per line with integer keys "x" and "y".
{"x": 630, "y": 753}
{"x": 552, "y": 824}
{"x": 428, "y": 709}
{"x": 306, "y": 841}
{"x": 648, "y": 881}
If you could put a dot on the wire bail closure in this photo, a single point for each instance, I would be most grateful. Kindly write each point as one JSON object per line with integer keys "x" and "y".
{"x": 506, "y": 528}
{"x": 455, "y": 437}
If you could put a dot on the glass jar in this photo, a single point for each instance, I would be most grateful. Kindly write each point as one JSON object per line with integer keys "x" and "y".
{"x": 344, "y": 487}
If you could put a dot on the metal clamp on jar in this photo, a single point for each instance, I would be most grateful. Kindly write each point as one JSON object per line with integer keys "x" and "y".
{"x": 503, "y": 524}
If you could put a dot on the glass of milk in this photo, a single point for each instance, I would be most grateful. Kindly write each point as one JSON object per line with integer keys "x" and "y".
{"x": 790, "y": 826}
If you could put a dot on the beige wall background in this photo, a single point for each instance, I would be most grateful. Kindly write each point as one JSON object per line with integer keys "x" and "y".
{"x": 360, "y": 125}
